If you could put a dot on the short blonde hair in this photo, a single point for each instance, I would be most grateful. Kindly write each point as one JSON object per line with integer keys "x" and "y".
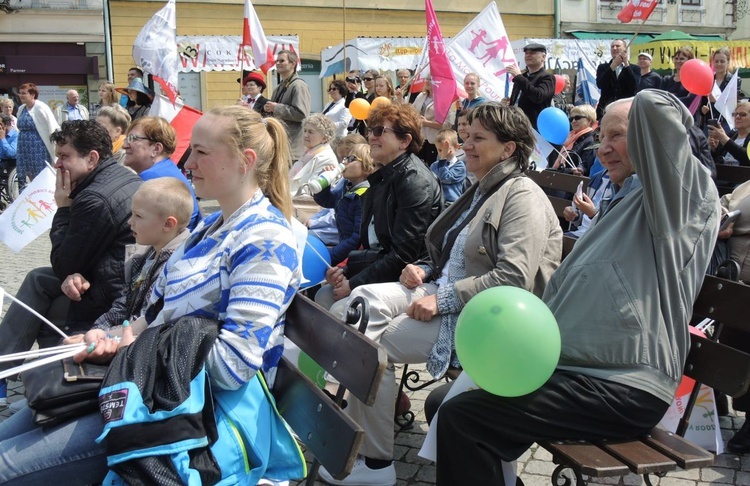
{"x": 586, "y": 110}
{"x": 362, "y": 152}
{"x": 447, "y": 135}
{"x": 169, "y": 197}
{"x": 6, "y": 102}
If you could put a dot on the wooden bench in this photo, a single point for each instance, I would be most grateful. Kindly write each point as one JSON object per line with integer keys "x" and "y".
{"x": 709, "y": 362}
{"x": 731, "y": 175}
{"x": 558, "y": 181}
{"x": 345, "y": 353}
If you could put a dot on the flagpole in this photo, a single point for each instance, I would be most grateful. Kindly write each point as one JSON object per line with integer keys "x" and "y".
{"x": 343, "y": 40}
{"x": 242, "y": 69}
{"x": 637, "y": 31}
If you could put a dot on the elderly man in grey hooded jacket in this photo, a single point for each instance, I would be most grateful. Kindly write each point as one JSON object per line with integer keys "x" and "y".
{"x": 622, "y": 299}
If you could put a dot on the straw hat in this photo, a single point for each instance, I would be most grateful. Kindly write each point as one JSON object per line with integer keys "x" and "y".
{"x": 136, "y": 85}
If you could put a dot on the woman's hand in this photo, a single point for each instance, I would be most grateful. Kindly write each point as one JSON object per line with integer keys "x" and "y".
{"x": 334, "y": 275}
{"x": 727, "y": 233}
{"x": 713, "y": 143}
{"x": 718, "y": 133}
{"x": 342, "y": 289}
{"x": 412, "y": 276}
{"x": 75, "y": 286}
{"x": 704, "y": 109}
{"x": 103, "y": 348}
{"x": 74, "y": 339}
{"x": 586, "y": 205}
{"x": 423, "y": 309}
{"x": 570, "y": 214}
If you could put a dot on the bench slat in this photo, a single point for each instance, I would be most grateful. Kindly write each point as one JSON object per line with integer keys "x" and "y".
{"x": 718, "y": 300}
{"x": 328, "y": 341}
{"x": 590, "y": 459}
{"x": 328, "y": 433}
{"x": 550, "y": 179}
{"x": 686, "y": 454}
{"x": 718, "y": 366}
{"x": 735, "y": 174}
{"x": 639, "y": 457}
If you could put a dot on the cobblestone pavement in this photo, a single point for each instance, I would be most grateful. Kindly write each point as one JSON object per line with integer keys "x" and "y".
{"x": 534, "y": 467}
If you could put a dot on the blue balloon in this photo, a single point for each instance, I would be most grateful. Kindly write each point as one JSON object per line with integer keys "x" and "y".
{"x": 315, "y": 261}
{"x": 553, "y": 125}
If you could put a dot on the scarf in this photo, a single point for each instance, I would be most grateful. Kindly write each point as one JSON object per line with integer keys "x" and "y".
{"x": 570, "y": 141}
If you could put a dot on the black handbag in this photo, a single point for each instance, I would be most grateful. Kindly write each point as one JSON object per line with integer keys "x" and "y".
{"x": 62, "y": 390}
{"x": 358, "y": 260}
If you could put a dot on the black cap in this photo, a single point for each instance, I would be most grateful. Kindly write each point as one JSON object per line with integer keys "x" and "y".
{"x": 535, "y": 47}
{"x": 244, "y": 75}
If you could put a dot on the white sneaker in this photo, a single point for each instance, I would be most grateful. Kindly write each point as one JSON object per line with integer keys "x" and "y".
{"x": 271, "y": 482}
{"x": 362, "y": 475}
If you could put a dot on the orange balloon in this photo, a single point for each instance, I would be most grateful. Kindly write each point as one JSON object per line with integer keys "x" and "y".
{"x": 359, "y": 108}
{"x": 380, "y": 101}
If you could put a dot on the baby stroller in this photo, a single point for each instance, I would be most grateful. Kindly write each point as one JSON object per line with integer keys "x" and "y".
{"x": 8, "y": 182}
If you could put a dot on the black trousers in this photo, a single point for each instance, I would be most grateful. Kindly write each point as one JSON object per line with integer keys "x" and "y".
{"x": 477, "y": 429}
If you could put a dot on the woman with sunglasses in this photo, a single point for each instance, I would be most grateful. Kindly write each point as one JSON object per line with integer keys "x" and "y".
{"x": 336, "y": 110}
{"x": 501, "y": 231}
{"x": 369, "y": 79}
{"x": 577, "y": 155}
{"x": 403, "y": 200}
{"x": 731, "y": 149}
{"x": 149, "y": 143}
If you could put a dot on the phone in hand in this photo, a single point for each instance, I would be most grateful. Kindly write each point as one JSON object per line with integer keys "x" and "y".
{"x": 713, "y": 122}
{"x": 729, "y": 218}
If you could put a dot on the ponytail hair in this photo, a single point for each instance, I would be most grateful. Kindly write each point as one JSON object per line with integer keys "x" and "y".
{"x": 245, "y": 129}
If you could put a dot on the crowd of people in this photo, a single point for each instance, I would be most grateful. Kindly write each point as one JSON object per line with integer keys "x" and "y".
{"x": 419, "y": 215}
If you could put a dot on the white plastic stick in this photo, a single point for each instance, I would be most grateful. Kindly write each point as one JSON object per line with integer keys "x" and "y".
{"x": 34, "y": 364}
{"x": 36, "y": 353}
{"x": 319, "y": 255}
{"x": 44, "y": 319}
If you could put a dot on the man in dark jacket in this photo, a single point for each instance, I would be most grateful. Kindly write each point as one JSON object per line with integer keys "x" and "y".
{"x": 534, "y": 88}
{"x": 89, "y": 233}
{"x": 616, "y": 79}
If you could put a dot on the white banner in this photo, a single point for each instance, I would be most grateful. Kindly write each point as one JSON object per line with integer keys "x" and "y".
{"x": 563, "y": 54}
{"x": 363, "y": 53}
{"x": 31, "y": 214}
{"x": 219, "y": 53}
{"x": 483, "y": 47}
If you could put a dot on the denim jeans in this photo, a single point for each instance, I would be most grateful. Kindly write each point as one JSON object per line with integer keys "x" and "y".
{"x": 65, "y": 454}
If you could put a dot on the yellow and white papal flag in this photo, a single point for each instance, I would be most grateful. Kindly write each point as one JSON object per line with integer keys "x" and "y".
{"x": 31, "y": 213}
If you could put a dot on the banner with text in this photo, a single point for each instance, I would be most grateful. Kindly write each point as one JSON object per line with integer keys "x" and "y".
{"x": 219, "y": 53}
{"x": 563, "y": 54}
{"x": 662, "y": 52}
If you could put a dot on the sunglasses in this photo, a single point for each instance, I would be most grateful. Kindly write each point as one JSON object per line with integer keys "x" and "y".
{"x": 352, "y": 80}
{"x": 350, "y": 158}
{"x": 133, "y": 137}
{"x": 576, "y": 118}
{"x": 331, "y": 89}
{"x": 368, "y": 79}
{"x": 378, "y": 131}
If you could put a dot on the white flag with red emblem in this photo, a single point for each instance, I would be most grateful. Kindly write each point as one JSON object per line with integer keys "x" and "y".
{"x": 253, "y": 36}
{"x": 155, "y": 49}
{"x": 637, "y": 10}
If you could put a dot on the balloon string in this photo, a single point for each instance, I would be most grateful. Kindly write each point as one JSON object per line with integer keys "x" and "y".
{"x": 44, "y": 319}
{"x": 565, "y": 158}
{"x": 34, "y": 364}
{"x": 36, "y": 353}
{"x": 316, "y": 252}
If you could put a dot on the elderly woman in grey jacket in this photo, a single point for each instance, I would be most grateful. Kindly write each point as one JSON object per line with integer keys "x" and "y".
{"x": 501, "y": 231}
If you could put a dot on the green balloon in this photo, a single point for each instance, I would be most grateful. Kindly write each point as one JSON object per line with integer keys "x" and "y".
{"x": 507, "y": 341}
{"x": 311, "y": 369}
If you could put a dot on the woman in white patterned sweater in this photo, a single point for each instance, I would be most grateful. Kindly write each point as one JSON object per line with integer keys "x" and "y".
{"x": 240, "y": 264}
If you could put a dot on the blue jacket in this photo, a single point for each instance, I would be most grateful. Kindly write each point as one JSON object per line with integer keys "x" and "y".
{"x": 167, "y": 168}
{"x": 9, "y": 145}
{"x": 347, "y": 202}
{"x": 451, "y": 178}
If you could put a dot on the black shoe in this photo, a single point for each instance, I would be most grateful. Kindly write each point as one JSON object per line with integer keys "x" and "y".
{"x": 740, "y": 443}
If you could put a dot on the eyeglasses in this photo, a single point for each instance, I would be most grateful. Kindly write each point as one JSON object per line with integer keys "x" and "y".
{"x": 133, "y": 137}
{"x": 378, "y": 131}
{"x": 350, "y": 158}
{"x": 368, "y": 79}
{"x": 352, "y": 80}
{"x": 740, "y": 114}
{"x": 576, "y": 118}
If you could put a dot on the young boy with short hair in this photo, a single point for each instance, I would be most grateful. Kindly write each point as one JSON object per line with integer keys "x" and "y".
{"x": 449, "y": 169}
{"x": 161, "y": 211}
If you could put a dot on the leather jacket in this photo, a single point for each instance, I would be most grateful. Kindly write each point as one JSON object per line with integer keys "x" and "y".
{"x": 403, "y": 200}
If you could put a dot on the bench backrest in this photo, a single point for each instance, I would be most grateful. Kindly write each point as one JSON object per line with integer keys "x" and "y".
{"x": 558, "y": 181}
{"x": 355, "y": 361}
{"x": 712, "y": 363}
{"x": 732, "y": 173}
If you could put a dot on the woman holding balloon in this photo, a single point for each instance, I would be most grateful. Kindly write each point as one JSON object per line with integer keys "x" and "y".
{"x": 577, "y": 151}
{"x": 501, "y": 231}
